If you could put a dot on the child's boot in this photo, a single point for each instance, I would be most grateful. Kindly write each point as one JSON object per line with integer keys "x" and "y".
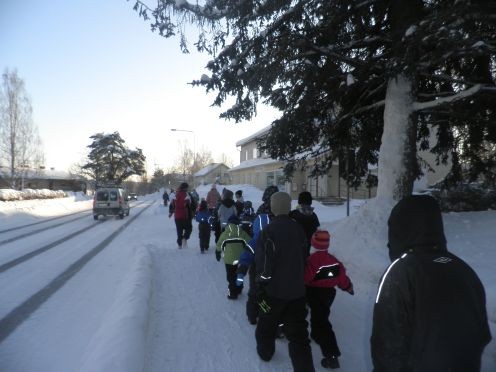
{"x": 330, "y": 362}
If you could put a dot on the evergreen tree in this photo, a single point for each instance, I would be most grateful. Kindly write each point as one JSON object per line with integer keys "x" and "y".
{"x": 375, "y": 77}
{"x": 111, "y": 161}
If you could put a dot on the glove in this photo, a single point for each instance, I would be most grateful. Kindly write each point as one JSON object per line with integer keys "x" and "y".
{"x": 239, "y": 280}
{"x": 350, "y": 289}
{"x": 262, "y": 299}
{"x": 217, "y": 255}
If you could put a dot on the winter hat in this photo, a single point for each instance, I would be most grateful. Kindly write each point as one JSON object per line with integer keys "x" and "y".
{"x": 239, "y": 193}
{"x": 233, "y": 219}
{"x": 305, "y": 198}
{"x": 227, "y": 194}
{"x": 183, "y": 186}
{"x": 320, "y": 239}
{"x": 280, "y": 203}
{"x": 214, "y": 187}
{"x": 203, "y": 205}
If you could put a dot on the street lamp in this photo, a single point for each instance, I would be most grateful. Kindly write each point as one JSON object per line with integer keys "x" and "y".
{"x": 194, "y": 145}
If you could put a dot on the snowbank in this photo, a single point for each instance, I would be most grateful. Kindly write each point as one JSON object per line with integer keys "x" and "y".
{"x": 28, "y": 194}
{"x": 120, "y": 342}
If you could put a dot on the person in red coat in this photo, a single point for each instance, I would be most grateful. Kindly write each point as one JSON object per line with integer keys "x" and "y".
{"x": 324, "y": 272}
{"x": 180, "y": 207}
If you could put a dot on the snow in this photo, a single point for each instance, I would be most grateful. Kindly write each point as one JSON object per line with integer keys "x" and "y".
{"x": 141, "y": 304}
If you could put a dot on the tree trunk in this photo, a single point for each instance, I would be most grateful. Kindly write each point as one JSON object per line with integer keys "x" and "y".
{"x": 397, "y": 154}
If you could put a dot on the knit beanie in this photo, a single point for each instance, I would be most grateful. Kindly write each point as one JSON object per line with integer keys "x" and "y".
{"x": 320, "y": 240}
{"x": 183, "y": 186}
{"x": 280, "y": 203}
{"x": 305, "y": 198}
{"x": 239, "y": 193}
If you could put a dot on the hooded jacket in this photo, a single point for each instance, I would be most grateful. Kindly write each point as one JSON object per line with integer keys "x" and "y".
{"x": 430, "y": 310}
{"x": 232, "y": 242}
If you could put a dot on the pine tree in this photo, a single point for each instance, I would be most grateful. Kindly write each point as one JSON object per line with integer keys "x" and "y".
{"x": 375, "y": 77}
{"x": 111, "y": 161}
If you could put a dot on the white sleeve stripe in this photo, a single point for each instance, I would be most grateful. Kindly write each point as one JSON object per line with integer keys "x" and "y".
{"x": 385, "y": 275}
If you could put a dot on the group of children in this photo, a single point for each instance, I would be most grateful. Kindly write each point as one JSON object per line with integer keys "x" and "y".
{"x": 237, "y": 228}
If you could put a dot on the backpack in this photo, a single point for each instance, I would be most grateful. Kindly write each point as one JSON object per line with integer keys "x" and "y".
{"x": 247, "y": 217}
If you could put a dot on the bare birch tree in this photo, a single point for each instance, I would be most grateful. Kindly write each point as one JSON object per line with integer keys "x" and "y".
{"x": 20, "y": 144}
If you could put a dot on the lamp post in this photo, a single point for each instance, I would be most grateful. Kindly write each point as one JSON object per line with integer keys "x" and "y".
{"x": 194, "y": 146}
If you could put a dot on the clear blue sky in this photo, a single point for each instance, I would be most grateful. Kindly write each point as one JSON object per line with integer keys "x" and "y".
{"x": 93, "y": 66}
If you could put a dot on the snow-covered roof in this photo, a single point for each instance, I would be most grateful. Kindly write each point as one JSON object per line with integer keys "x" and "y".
{"x": 209, "y": 168}
{"x": 253, "y": 163}
{"x": 254, "y": 136}
{"x": 47, "y": 174}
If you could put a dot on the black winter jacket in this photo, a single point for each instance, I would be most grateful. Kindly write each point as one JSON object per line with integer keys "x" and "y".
{"x": 280, "y": 258}
{"x": 308, "y": 220}
{"x": 430, "y": 311}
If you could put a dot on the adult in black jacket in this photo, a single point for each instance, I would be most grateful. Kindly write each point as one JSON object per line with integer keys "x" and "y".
{"x": 430, "y": 310}
{"x": 279, "y": 261}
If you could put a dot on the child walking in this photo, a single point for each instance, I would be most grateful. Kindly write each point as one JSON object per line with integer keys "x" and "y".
{"x": 202, "y": 217}
{"x": 323, "y": 272}
{"x": 232, "y": 242}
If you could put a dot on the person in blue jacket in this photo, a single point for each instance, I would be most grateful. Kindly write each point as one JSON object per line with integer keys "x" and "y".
{"x": 202, "y": 217}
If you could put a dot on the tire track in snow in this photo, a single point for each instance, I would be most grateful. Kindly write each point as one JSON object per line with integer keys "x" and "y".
{"x": 22, "y": 312}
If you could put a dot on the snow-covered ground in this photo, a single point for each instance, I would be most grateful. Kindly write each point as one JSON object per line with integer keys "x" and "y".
{"x": 141, "y": 304}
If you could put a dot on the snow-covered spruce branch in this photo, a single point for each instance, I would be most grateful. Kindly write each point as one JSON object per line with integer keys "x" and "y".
{"x": 418, "y": 106}
{"x": 197, "y": 10}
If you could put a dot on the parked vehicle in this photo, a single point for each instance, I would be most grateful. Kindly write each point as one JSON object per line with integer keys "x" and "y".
{"x": 110, "y": 201}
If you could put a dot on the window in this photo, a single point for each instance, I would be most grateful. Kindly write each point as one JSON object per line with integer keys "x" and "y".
{"x": 255, "y": 153}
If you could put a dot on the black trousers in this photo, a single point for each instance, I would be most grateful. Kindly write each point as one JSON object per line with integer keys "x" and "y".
{"x": 183, "y": 229}
{"x": 204, "y": 235}
{"x": 292, "y": 313}
{"x": 251, "y": 303}
{"x": 319, "y": 301}
{"x": 234, "y": 290}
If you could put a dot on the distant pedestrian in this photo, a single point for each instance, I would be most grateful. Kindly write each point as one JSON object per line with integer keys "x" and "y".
{"x": 226, "y": 208}
{"x": 165, "y": 198}
{"x": 213, "y": 198}
{"x": 323, "y": 272}
{"x": 180, "y": 207}
{"x": 202, "y": 217}
{"x": 239, "y": 202}
{"x": 280, "y": 262}
{"x": 430, "y": 310}
{"x": 305, "y": 216}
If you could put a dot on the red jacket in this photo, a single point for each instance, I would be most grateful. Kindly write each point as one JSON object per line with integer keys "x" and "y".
{"x": 181, "y": 205}
{"x": 324, "y": 270}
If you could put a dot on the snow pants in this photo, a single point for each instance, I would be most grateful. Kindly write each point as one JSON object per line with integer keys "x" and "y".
{"x": 319, "y": 301}
{"x": 251, "y": 303}
{"x": 183, "y": 229}
{"x": 231, "y": 275}
{"x": 204, "y": 235}
{"x": 292, "y": 313}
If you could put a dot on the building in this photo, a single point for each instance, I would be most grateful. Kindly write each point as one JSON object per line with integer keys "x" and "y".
{"x": 261, "y": 171}
{"x": 212, "y": 173}
{"x": 42, "y": 178}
